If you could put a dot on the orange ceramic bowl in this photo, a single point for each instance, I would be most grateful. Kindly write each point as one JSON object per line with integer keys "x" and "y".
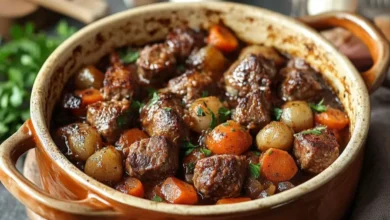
{"x": 70, "y": 194}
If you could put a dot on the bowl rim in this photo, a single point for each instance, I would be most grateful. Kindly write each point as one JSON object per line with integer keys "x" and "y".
{"x": 349, "y": 154}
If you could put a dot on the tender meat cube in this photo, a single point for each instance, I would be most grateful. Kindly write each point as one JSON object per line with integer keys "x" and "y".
{"x": 210, "y": 60}
{"x": 301, "y": 84}
{"x": 183, "y": 40}
{"x": 315, "y": 153}
{"x": 109, "y": 118}
{"x": 267, "y": 52}
{"x": 253, "y": 111}
{"x": 120, "y": 83}
{"x": 249, "y": 74}
{"x": 190, "y": 85}
{"x": 220, "y": 176}
{"x": 152, "y": 159}
{"x": 162, "y": 116}
{"x": 156, "y": 63}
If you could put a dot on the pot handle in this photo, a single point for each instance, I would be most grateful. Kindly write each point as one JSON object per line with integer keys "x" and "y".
{"x": 35, "y": 198}
{"x": 365, "y": 31}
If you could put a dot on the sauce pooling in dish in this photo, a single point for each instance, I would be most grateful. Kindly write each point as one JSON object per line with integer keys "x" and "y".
{"x": 200, "y": 118}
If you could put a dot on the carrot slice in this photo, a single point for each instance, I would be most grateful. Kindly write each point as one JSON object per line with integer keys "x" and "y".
{"x": 332, "y": 118}
{"x": 229, "y": 138}
{"x": 178, "y": 192}
{"x": 131, "y": 136}
{"x": 131, "y": 186}
{"x": 277, "y": 165}
{"x": 232, "y": 200}
{"x": 222, "y": 38}
{"x": 89, "y": 96}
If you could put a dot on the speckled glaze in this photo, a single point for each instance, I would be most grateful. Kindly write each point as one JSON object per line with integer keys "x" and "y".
{"x": 71, "y": 194}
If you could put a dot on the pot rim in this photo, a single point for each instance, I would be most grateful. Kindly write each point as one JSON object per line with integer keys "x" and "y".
{"x": 349, "y": 154}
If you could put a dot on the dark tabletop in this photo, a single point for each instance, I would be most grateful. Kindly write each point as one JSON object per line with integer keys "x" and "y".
{"x": 376, "y": 175}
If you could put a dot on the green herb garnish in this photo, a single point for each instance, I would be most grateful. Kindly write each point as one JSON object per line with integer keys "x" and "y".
{"x": 188, "y": 147}
{"x": 205, "y": 93}
{"x": 315, "y": 131}
{"x": 167, "y": 109}
{"x": 200, "y": 112}
{"x": 20, "y": 60}
{"x": 155, "y": 98}
{"x": 137, "y": 105}
{"x": 157, "y": 198}
{"x": 254, "y": 170}
{"x": 151, "y": 92}
{"x": 214, "y": 120}
{"x": 224, "y": 114}
{"x": 319, "y": 107}
{"x": 277, "y": 113}
{"x": 256, "y": 153}
{"x": 190, "y": 167}
{"x": 181, "y": 67}
{"x": 205, "y": 151}
{"x": 122, "y": 120}
{"x": 129, "y": 55}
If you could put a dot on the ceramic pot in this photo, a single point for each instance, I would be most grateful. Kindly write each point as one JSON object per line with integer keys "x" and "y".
{"x": 70, "y": 194}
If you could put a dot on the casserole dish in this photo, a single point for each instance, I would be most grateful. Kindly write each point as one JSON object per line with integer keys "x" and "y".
{"x": 71, "y": 194}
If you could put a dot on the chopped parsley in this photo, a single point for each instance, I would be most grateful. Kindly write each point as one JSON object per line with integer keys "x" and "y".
{"x": 205, "y": 151}
{"x": 205, "y": 93}
{"x": 214, "y": 120}
{"x": 188, "y": 147}
{"x": 157, "y": 198}
{"x": 154, "y": 99}
{"x": 129, "y": 56}
{"x": 224, "y": 114}
{"x": 122, "y": 120}
{"x": 190, "y": 167}
{"x": 151, "y": 92}
{"x": 200, "y": 112}
{"x": 137, "y": 105}
{"x": 167, "y": 109}
{"x": 256, "y": 153}
{"x": 315, "y": 131}
{"x": 277, "y": 113}
{"x": 319, "y": 107}
{"x": 254, "y": 170}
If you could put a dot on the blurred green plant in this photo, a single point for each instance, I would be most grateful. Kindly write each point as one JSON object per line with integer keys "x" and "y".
{"x": 20, "y": 61}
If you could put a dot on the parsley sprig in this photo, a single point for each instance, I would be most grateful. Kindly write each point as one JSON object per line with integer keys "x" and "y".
{"x": 254, "y": 170}
{"x": 188, "y": 147}
{"x": 277, "y": 113}
{"x": 129, "y": 55}
{"x": 20, "y": 61}
{"x": 224, "y": 114}
{"x": 319, "y": 107}
{"x": 157, "y": 198}
{"x": 315, "y": 131}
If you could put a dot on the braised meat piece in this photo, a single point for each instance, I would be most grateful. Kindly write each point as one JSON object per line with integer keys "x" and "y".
{"x": 120, "y": 83}
{"x": 109, "y": 118}
{"x": 183, "y": 40}
{"x": 249, "y": 74}
{"x": 253, "y": 111}
{"x": 220, "y": 176}
{"x": 156, "y": 63}
{"x": 314, "y": 152}
{"x": 267, "y": 52}
{"x": 152, "y": 159}
{"x": 301, "y": 84}
{"x": 162, "y": 116}
{"x": 190, "y": 85}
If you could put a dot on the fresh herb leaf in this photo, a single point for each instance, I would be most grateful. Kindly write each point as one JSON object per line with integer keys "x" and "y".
{"x": 188, "y": 147}
{"x": 190, "y": 167}
{"x": 129, "y": 55}
{"x": 319, "y": 107}
{"x": 214, "y": 120}
{"x": 151, "y": 92}
{"x": 122, "y": 120}
{"x": 256, "y": 153}
{"x": 205, "y": 93}
{"x": 157, "y": 198}
{"x": 137, "y": 105}
{"x": 155, "y": 98}
{"x": 315, "y": 131}
{"x": 200, "y": 112}
{"x": 181, "y": 67}
{"x": 167, "y": 109}
{"x": 254, "y": 170}
{"x": 205, "y": 151}
{"x": 277, "y": 113}
{"x": 224, "y": 114}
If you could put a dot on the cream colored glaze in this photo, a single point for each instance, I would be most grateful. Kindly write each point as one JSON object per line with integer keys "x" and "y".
{"x": 325, "y": 196}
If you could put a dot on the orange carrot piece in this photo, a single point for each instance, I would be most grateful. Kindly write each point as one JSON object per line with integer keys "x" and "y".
{"x": 229, "y": 138}
{"x": 131, "y": 136}
{"x": 131, "y": 186}
{"x": 89, "y": 96}
{"x": 277, "y": 165}
{"x": 332, "y": 118}
{"x": 233, "y": 200}
{"x": 178, "y": 192}
{"x": 222, "y": 38}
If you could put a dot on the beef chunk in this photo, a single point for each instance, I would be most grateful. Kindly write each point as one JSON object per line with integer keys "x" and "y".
{"x": 183, "y": 40}
{"x": 316, "y": 152}
{"x": 301, "y": 84}
{"x": 152, "y": 159}
{"x": 120, "y": 83}
{"x": 249, "y": 74}
{"x": 156, "y": 63}
{"x": 220, "y": 176}
{"x": 253, "y": 111}
{"x": 109, "y": 118}
{"x": 190, "y": 85}
{"x": 162, "y": 116}
{"x": 267, "y": 52}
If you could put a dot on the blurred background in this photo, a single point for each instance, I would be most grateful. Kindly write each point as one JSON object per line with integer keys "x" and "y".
{"x": 31, "y": 29}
